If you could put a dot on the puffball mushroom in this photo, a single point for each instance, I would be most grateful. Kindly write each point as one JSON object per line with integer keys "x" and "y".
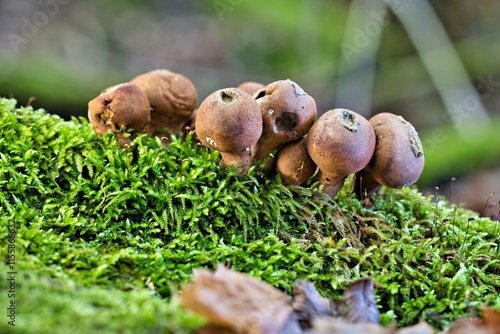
{"x": 123, "y": 108}
{"x": 294, "y": 164}
{"x": 229, "y": 121}
{"x": 173, "y": 99}
{"x": 287, "y": 112}
{"x": 251, "y": 87}
{"x": 398, "y": 160}
{"x": 341, "y": 142}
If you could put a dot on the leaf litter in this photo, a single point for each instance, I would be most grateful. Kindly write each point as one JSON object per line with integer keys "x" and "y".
{"x": 232, "y": 302}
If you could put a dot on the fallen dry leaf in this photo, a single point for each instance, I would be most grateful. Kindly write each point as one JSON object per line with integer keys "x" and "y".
{"x": 231, "y": 300}
{"x": 331, "y": 325}
{"x": 357, "y": 303}
{"x": 308, "y": 303}
{"x": 466, "y": 326}
{"x": 235, "y": 303}
{"x": 490, "y": 324}
{"x": 491, "y": 319}
{"x": 421, "y": 328}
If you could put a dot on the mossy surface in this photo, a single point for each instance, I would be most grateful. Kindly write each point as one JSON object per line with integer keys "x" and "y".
{"x": 105, "y": 236}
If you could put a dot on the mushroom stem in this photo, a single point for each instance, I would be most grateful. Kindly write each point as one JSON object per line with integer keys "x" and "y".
{"x": 239, "y": 160}
{"x": 294, "y": 164}
{"x": 269, "y": 163}
{"x": 123, "y": 140}
{"x": 365, "y": 184}
{"x": 331, "y": 185}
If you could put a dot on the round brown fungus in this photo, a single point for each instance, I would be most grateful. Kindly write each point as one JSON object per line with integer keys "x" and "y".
{"x": 287, "y": 112}
{"x": 398, "y": 159}
{"x": 251, "y": 87}
{"x": 122, "y": 109}
{"x": 341, "y": 142}
{"x": 173, "y": 99}
{"x": 294, "y": 164}
{"x": 229, "y": 121}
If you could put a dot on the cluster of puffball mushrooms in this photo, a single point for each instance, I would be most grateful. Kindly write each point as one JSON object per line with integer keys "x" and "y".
{"x": 274, "y": 124}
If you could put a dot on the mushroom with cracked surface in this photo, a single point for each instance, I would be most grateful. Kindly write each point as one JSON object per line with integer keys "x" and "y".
{"x": 398, "y": 160}
{"x": 229, "y": 121}
{"x": 122, "y": 109}
{"x": 287, "y": 112}
{"x": 173, "y": 99}
{"x": 341, "y": 142}
{"x": 294, "y": 164}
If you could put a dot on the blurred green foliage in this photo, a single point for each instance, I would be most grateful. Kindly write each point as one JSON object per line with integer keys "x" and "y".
{"x": 449, "y": 152}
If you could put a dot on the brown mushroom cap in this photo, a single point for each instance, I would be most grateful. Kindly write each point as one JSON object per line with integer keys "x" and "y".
{"x": 229, "y": 121}
{"x": 120, "y": 108}
{"x": 173, "y": 99}
{"x": 251, "y": 87}
{"x": 294, "y": 164}
{"x": 341, "y": 142}
{"x": 398, "y": 160}
{"x": 287, "y": 112}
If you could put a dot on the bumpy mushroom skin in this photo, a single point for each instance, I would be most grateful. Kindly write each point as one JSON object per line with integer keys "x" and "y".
{"x": 287, "y": 112}
{"x": 294, "y": 164}
{"x": 398, "y": 160}
{"x": 251, "y": 87}
{"x": 341, "y": 142}
{"x": 229, "y": 121}
{"x": 123, "y": 108}
{"x": 173, "y": 99}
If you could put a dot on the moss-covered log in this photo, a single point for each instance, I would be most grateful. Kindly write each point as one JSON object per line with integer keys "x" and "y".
{"x": 104, "y": 236}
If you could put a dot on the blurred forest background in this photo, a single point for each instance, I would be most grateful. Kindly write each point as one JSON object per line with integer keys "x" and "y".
{"x": 434, "y": 62}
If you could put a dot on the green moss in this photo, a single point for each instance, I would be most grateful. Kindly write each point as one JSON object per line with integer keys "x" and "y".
{"x": 59, "y": 306}
{"x": 105, "y": 236}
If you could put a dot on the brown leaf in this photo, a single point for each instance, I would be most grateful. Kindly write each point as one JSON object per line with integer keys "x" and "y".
{"x": 307, "y": 303}
{"x": 357, "y": 303}
{"x": 232, "y": 300}
{"x": 490, "y": 324}
{"x": 491, "y": 319}
{"x": 330, "y": 325}
{"x": 421, "y": 328}
{"x": 466, "y": 326}
{"x": 212, "y": 329}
